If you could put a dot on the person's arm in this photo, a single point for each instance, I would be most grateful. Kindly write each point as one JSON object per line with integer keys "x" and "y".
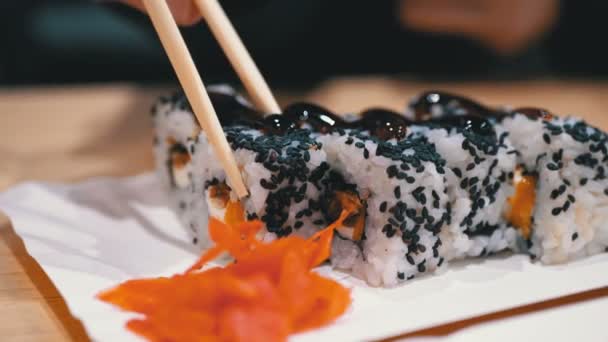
{"x": 506, "y": 27}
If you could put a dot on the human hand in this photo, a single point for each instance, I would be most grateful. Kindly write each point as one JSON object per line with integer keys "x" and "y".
{"x": 506, "y": 26}
{"x": 185, "y": 12}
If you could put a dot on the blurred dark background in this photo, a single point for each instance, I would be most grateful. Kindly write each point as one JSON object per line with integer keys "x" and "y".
{"x": 293, "y": 41}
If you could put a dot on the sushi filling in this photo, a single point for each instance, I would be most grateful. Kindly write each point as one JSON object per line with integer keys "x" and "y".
{"x": 222, "y": 207}
{"x": 354, "y": 224}
{"x": 521, "y": 204}
{"x": 179, "y": 165}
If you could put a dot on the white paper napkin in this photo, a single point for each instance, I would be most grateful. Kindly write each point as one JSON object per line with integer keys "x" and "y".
{"x": 90, "y": 236}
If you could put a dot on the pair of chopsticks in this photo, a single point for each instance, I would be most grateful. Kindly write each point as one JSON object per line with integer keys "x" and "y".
{"x": 191, "y": 81}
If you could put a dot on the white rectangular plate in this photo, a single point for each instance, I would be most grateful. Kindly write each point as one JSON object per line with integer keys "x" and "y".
{"x": 90, "y": 236}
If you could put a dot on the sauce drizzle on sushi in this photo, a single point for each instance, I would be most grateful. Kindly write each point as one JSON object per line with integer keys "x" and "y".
{"x": 432, "y": 107}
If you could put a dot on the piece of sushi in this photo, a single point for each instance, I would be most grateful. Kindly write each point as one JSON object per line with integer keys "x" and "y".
{"x": 447, "y": 180}
{"x": 559, "y": 184}
{"x": 480, "y": 160}
{"x": 284, "y": 172}
{"x": 404, "y": 188}
{"x": 568, "y": 160}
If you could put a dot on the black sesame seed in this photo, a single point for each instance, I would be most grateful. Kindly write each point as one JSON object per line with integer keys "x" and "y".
{"x": 571, "y": 198}
{"x": 359, "y": 144}
{"x": 547, "y": 138}
{"x": 556, "y": 211}
{"x": 366, "y": 153}
{"x": 383, "y": 206}
{"x": 457, "y": 172}
{"x": 298, "y": 224}
{"x": 415, "y": 231}
{"x": 267, "y": 185}
{"x": 574, "y": 236}
{"x": 440, "y": 262}
{"x": 349, "y": 141}
{"x": 502, "y": 177}
{"x": 397, "y": 192}
{"x": 391, "y": 171}
{"x": 386, "y": 228}
{"x": 552, "y": 167}
{"x": 471, "y": 166}
{"x": 425, "y": 212}
{"x": 421, "y": 267}
{"x": 195, "y": 240}
{"x": 435, "y": 252}
{"x": 583, "y": 181}
{"x": 401, "y": 275}
{"x": 554, "y": 194}
{"x": 410, "y": 259}
{"x": 566, "y": 206}
{"x": 410, "y": 180}
{"x": 421, "y": 248}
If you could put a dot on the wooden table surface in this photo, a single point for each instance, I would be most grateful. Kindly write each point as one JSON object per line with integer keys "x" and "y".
{"x": 69, "y": 134}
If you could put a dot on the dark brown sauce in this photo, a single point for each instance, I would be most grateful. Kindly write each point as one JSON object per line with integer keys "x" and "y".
{"x": 535, "y": 113}
{"x": 449, "y": 105}
{"x": 454, "y": 111}
{"x": 231, "y": 111}
{"x": 320, "y": 119}
{"x": 384, "y": 124}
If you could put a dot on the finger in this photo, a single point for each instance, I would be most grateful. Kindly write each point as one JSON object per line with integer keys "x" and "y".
{"x": 444, "y": 16}
{"x": 185, "y": 12}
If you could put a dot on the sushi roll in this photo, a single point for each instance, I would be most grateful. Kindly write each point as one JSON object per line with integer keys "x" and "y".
{"x": 480, "y": 160}
{"x": 282, "y": 171}
{"x": 558, "y": 180}
{"x": 401, "y": 178}
{"x": 567, "y": 160}
{"x": 447, "y": 179}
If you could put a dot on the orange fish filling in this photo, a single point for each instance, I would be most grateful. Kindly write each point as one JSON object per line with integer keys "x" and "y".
{"x": 269, "y": 293}
{"x": 180, "y": 160}
{"x": 220, "y": 193}
{"x": 522, "y": 204}
{"x": 349, "y": 201}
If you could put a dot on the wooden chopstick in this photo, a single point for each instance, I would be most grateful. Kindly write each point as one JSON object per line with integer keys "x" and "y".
{"x": 193, "y": 86}
{"x": 237, "y": 54}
